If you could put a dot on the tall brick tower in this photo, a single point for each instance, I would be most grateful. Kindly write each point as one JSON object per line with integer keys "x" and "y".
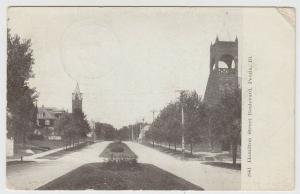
{"x": 222, "y": 79}
{"x": 76, "y": 99}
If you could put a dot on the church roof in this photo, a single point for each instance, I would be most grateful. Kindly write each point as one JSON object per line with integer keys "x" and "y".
{"x": 77, "y": 90}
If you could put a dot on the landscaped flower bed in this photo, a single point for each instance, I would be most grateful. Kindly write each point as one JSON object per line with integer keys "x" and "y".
{"x": 118, "y": 152}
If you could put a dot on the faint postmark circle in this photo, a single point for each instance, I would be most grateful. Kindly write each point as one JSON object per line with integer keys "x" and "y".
{"x": 89, "y": 50}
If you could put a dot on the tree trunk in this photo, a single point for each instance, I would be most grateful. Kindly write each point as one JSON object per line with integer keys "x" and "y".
{"x": 23, "y": 139}
{"x": 14, "y": 143}
{"x": 152, "y": 143}
{"x": 191, "y": 148}
{"x": 212, "y": 146}
{"x": 169, "y": 146}
{"x": 175, "y": 146}
{"x": 234, "y": 153}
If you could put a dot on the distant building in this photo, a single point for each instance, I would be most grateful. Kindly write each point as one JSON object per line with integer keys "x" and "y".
{"x": 46, "y": 119}
{"x": 47, "y": 116}
{"x": 76, "y": 99}
{"x": 92, "y": 133}
{"x": 142, "y": 134}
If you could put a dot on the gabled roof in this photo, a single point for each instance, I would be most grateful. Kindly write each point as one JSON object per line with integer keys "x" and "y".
{"x": 44, "y": 113}
{"x": 55, "y": 110}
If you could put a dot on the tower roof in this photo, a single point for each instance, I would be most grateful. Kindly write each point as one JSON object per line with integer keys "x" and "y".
{"x": 77, "y": 90}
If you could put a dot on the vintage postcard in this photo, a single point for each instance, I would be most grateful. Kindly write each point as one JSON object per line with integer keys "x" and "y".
{"x": 150, "y": 98}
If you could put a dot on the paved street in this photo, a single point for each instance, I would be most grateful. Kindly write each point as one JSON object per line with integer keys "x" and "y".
{"x": 34, "y": 175}
{"x": 205, "y": 176}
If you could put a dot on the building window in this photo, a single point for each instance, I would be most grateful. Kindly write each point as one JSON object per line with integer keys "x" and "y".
{"x": 47, "y": 122}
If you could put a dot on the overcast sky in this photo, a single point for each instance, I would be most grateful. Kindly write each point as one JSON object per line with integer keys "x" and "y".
{"x": 127, "y": 61}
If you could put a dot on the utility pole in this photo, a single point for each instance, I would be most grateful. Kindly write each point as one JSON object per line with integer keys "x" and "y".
{"x": 138, "y": 138}
{"x": 182, "y": 120}
{"x": 153, "y": 115}
{"x": 93, "y": 131}
{"x": 131, "y": 132}
{"x": 141, "y": 124}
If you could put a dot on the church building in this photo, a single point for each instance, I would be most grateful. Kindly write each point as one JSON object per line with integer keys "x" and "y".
{"x": 76, "y": 99}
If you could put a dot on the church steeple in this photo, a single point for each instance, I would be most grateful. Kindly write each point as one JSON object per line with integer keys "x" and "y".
{"x": 77, "y": 93}
{"x": 77, "y": 90}
{"x": 77, "y": 99}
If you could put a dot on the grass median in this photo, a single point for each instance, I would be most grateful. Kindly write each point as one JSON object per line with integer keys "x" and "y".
{"x": 96, "y": 176}
{"x": 120, "y": 172}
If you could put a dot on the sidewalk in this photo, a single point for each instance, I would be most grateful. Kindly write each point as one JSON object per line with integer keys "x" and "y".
{"x": 34, "y": 157}
{"x": 32, "y": 175}
{"x": 205, "y": 176}
{"x": 201, "y": 155}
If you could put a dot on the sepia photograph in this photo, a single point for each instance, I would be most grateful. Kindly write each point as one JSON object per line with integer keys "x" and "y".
{"x": 126, "y": 98}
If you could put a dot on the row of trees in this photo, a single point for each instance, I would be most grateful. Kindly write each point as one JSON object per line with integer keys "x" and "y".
{"x": 73, "y": 127}
{"x": 214, "y": 125}
{"x": 130, "y": 132}
{"x": 21, "y": 111}
{"x": 124, "y": 133}
{"x": 105, "y": 131}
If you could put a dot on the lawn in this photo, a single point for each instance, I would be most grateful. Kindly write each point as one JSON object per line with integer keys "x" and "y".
{"x": 96, "y": 176}
{"x": 61, "y": 153}
{"x": 118, "y": 150}
{"x": 224, "y": 165}
{"x": 35, "y": 147}
{"x": 196, "y": 156}
{"x": 47, "y": 144}
{"x": 15, "y": 162}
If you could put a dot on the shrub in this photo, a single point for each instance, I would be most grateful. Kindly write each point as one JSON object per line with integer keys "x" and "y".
{"x": 117, "y": 149}
{"x": 121, "y": 164}
{"x": 35, "y": 137}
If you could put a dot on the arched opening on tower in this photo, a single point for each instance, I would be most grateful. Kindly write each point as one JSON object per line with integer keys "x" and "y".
{"x": 233, "y": 65}
{"x": 227, "y": 59}
{"x": 223, "y": 65}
